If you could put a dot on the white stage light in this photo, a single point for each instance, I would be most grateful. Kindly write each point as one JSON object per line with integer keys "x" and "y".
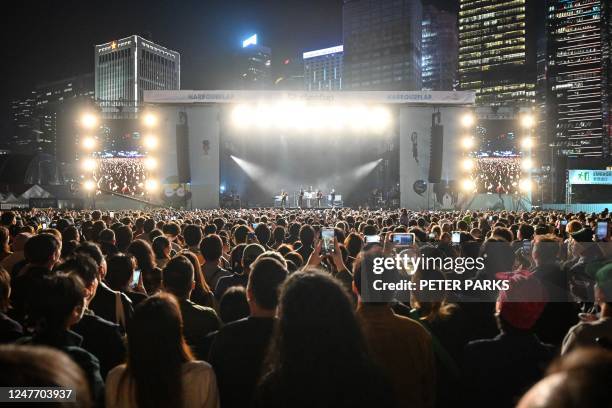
{"x": 525, "y": 185}
{"x": 242, "y": 116}
{"x": 151, "y": 185}
{"x": 527, "y": 163}
{"x": 467, "y": 164}
{"x": 150, "y": 163}
{"x": 150, "y": 142}
{"x": 527, "y": 121}
{"x": 468, "y": 185}
{"x": 89, "y": 185}
{"x": 467, "y": 142}
{"x": 149, "y": 120}
{"x": 89, "y": 164}
{"x": 527, "y": 143}
{"x": 380, "y": 118}
{"x": 467, "y": 120}
{"x": 89, "y": 120}
{"x": 89, "y": 143}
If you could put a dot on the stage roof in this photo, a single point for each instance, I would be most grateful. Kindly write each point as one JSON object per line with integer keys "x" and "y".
{"x": 461, "y": 98}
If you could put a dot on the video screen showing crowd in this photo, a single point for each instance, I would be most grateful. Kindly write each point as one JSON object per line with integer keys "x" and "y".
{"x": 120, "y": 161}
{"x": 497, "y": 167}
{"x": 497, "y": 174}
{"x": 124, "y": 175}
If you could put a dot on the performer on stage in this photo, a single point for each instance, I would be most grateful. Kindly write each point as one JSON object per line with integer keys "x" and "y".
{"x": 333, "y": 197}
{"x": 284, "y": 198}
{"x": 301, "y": 198}
{"x": 319, "y": 198}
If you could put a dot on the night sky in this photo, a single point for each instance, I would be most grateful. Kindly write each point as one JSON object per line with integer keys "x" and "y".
{"x": 50, "y": 40}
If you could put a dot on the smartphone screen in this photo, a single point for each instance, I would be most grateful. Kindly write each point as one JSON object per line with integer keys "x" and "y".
{"x": 563, "y": 222}
{"x": 372, "y": 239}
{"x": 327, "y": 236}
{"x": 527, "y": 246}
{"x": 602, "y": 230}
{"x": 111, "y": 214}
{"x": 135, "y": 278}
{"x": 403, "y": 239}
{"x": 255, "y": 225}
{"x": 456, "y": 237}
{"x": 44, "y": 226}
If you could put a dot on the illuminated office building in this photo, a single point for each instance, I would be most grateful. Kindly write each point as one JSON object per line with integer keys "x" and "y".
{"x": 254, "y": 64}
{"x": 289, "y": 74}
{"x": 125, "y": 68}
{"x": 323, "y": 69}
{"x": 497, "y": 50}
{"x": 40, "y": 121}
{"x": 579, "y": 80}
{"x": 439, "y": 49}
{"x": 382, "y": 45}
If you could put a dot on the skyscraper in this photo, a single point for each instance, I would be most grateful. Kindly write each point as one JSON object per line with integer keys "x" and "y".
{"x": 41, "y": 119}
{"x": 439, "y": 49}
{"x": 579, "y": 77}
{"x": 497, "y": 50}
{"x": 254, "y": 64}
{"x": 125, "y": 68}
{"x": 323, "y": 69}
{"x": 289, "y": 74}
{"x": 382, "y": 44}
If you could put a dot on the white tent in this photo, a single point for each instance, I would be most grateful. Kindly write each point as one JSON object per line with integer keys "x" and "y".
{"x": 35, "y": 191}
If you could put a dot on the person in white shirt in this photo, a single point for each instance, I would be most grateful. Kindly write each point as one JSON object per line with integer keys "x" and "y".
{"x": 160, "y": 369}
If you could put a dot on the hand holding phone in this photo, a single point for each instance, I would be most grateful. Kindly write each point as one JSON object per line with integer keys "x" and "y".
{"x": 372, "y": 239}
{"x": 327, "y": 241}
{"x": 602, "y": 230}
{"x": 403, "y": 239}
{"x": 456, "y": 237}
{"x": 136, "y": 278}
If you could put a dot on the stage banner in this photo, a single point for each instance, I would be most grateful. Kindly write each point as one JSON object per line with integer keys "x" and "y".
{"x": 368, "y": 97}
{"x": 590, "y": 177}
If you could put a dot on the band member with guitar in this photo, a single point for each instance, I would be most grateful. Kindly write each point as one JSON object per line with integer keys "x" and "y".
{"x": 284, "y": 196}
{"x": 319, "y": 198}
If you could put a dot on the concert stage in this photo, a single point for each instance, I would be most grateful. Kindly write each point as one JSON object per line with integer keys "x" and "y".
{"x": 374, "y": 149}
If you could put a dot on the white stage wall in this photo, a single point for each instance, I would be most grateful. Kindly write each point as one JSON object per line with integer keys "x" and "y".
{"x": 203, "y": 128}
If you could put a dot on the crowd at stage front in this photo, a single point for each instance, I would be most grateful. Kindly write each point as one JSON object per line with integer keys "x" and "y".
{"x": 239, "y": 308}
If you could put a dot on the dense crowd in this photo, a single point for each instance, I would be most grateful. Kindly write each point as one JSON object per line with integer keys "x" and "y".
{"x": 121, "y": 175}
{"x": 238, "y": 308}
{"x": 497, "y": 175}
